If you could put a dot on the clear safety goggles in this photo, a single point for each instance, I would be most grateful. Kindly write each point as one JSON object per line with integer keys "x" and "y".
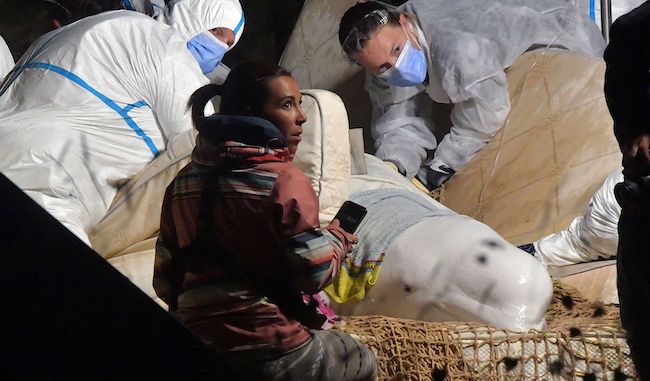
{"x": 368, "y": 24}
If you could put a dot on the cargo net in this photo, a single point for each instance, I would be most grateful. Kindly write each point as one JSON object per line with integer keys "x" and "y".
{"x": 584, "y": 341}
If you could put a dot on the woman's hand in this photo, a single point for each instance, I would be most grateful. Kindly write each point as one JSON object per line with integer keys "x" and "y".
{"x": 636, "y": 156}
{"x": 349, "y": 237}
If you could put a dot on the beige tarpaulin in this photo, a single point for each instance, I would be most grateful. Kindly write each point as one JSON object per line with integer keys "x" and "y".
{"x": 554, "y": 151}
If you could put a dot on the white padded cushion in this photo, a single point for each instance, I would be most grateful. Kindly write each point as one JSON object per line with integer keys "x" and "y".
{"x": 323, "y": 154}
{"x": 313, "y": 53}
{"x": 314, "y": 57}
{"x": 135, "y": 213}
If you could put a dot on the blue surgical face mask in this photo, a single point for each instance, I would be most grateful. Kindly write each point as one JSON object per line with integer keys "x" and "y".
{"x": 208, "y": 50}
{"x": 410, "y": 68}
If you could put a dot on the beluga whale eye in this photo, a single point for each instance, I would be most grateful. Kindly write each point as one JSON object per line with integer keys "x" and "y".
{"x": 492, "y": 244}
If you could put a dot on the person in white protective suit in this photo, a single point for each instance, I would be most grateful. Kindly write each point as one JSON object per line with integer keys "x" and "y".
{"x": 6, "y": 59}
{"x": 589, "y": 237}
{"x": 90, "y": 104}
{"x": 455, "y": 51}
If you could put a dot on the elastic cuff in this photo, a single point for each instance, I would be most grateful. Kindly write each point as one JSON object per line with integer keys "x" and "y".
{"x": 433, "y": 178}
{"x": 539, "y": 256}
{"x": 400, "y": 167}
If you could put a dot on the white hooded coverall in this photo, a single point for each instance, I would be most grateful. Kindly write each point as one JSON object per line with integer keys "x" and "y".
{"x": 6, "y": 59}
{"x": 590, "y": 236}
{"x": 468, "y": 44}
{"x": 92, "y": 103}
{"x": 230, "y": 16}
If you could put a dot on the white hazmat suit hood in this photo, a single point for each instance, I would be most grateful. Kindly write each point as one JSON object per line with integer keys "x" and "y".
{"x": 191, "y": 17}
{"x": 92, "y": 103}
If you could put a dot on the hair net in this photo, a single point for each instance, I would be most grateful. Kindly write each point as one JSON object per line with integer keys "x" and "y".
{"x": 191, "y": 17}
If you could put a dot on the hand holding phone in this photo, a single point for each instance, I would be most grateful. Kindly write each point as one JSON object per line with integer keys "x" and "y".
{"x": 350, "y": 216}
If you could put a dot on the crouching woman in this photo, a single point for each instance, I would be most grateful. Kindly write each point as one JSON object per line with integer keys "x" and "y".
{"x": 240, "y": 238}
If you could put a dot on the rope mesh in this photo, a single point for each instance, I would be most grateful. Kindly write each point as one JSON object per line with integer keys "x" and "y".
{"x": 584, "y": 341}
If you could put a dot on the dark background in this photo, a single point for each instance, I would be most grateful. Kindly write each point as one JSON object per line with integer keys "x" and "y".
{"x": 268, "y": 26}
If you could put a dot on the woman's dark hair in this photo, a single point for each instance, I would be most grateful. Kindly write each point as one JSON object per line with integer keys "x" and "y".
{"x": 356, "y": 20}
{"x": 243, "y": 93}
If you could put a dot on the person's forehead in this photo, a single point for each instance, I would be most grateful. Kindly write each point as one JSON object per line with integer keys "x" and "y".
{"x": 225, "y": 32}
{"x": 381, "y": 44}
{"x": 283, "y": 86}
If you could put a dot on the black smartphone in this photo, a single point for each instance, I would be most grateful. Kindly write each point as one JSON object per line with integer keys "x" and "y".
{"x": 350, "y": 216}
